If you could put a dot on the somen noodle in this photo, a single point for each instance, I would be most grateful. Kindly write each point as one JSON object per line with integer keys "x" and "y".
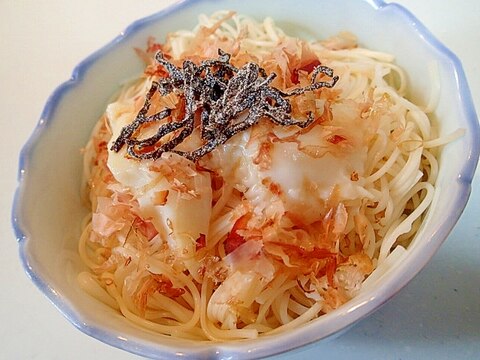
{"x": 275, "y": 225}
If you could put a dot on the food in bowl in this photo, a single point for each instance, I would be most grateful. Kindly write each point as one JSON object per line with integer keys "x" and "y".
{"x": 248, "y": 181}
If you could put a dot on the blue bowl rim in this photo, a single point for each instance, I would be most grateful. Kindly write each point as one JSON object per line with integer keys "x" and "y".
{"x": 156, "y": 351}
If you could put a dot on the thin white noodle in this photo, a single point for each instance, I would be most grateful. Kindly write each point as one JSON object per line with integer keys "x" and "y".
{"x": 433, "y": 72}
{"x": 406, "y": 224}
{"x": 302, "y": 319}
{"x": 445, "y": 139}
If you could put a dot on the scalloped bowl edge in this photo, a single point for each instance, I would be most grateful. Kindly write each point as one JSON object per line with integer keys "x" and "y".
{"x": 359, "y": 307}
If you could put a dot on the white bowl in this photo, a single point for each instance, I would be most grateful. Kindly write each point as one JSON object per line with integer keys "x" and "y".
{"x": 47, "y": 209}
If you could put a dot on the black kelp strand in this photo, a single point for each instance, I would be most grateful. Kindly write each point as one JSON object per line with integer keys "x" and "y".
{"x": 230, "y": 100}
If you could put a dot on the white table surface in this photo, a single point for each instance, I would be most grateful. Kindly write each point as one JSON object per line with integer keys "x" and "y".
{"x": 436, "y": 316}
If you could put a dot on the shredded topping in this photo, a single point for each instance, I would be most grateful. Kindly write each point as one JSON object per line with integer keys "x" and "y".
{"x": 228, "y": 99}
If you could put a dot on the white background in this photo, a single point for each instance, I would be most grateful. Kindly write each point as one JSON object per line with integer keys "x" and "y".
{"x": 437, "y": 315}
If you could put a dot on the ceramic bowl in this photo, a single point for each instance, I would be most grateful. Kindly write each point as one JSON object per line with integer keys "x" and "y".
{"x": 47, "y": 210}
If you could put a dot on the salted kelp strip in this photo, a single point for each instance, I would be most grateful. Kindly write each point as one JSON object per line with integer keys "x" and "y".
{"x": 228, "y": 99}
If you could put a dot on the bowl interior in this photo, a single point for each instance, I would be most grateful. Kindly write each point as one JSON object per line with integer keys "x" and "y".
{"x": 48, "y": 206}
